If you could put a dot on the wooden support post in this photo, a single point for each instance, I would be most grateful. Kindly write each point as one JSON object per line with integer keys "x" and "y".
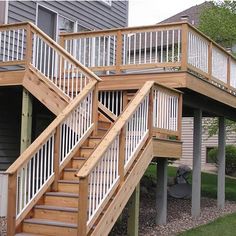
{"x": 125, "y": 99}
{"x": 196, "y": 176}
{"x": 221, "y": 164}
{"x": 95, "y": 109}
{"x": 56, "y": 166}
{"x": 133, "y": 212}
{"x": 184, "y": 53}
{"x": 11, "y": 211}
{"x": 161, "y": 193}
{"x": 119, "y": 51}
{"x": 83, "y": 207}
{"x": 26, "y": 120}
{"x": 121, "y": 167}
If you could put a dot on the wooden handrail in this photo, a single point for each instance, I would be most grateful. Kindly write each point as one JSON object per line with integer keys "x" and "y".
{"x": 35, "y": 146}
{"x": 84, "y": 69}
{"x": 109, "y": 138}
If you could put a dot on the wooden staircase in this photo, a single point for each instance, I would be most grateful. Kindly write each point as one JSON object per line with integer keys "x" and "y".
{"x": 56, "y": 213}
{"x": 77, "y": 176}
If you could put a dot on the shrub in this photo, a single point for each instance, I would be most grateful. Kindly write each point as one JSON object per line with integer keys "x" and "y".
{"x": 230, "y": 158}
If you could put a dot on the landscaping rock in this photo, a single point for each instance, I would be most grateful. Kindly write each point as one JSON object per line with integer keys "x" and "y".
{"x": 3, "y": 226}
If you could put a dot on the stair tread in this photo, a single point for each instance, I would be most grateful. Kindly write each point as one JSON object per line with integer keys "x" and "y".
{"x": 71, "y": 169}
{"x": 62, "y": 194}
{"x": 49, "y": 222}
{"x": 87, "y": 147}
{"x": 56, "y": 208}
{"x": 65, "y": 181}
{"x": 28, "y": 234}
{"x": 79, "y": 158}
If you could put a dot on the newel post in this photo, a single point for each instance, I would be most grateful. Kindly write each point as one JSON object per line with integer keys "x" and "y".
{"x": 83, "y": 204}
{"x": 29, "y": 44}
{"x": 210, "y": 60}
{"x": 184, "y": 46}
{"x": 11, "y": 210}
{"x": 228, "y": 71}
{"x": 56, "y": 166}
{"x": 119, "y": 51}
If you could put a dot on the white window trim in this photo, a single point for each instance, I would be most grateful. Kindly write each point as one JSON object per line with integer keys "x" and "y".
{"x": 36, "y": 18}
{"x": 6, "y": 11}
{"x": 108, "y": 2}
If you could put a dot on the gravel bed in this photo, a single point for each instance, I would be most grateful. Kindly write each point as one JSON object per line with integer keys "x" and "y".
{"x": 178, "y": 218}
{"x": 3, "y": 224}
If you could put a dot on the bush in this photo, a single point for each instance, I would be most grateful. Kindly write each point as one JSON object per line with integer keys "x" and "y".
{"x": 230, "y": 158}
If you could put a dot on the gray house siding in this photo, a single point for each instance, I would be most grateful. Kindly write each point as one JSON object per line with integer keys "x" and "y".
{"x": 187, "y": 138}
{"x": 91, "y": 14}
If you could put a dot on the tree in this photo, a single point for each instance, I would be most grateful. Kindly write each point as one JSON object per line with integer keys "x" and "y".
{"x": 219, "y": 22}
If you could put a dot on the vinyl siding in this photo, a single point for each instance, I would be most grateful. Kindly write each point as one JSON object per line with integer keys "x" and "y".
{"x": 187, "y": 138}
{"x": 91, "y": 14}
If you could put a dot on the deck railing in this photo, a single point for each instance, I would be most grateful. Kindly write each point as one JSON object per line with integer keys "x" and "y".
{"x": 163, "y": 47}
{"x": 24, "y": 43}
{"x": 41, "y": 163}
{"x": 113, "y": 158}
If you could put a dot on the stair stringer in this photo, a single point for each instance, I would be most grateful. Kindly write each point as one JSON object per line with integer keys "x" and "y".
{"x": 121, "y": 197}
{"x": 45, "y": 91}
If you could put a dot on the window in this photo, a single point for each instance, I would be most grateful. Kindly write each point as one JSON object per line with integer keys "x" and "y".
{"x": 208, "y": 158}
{"x": 108, "y": 2}
{"x": 65, "y": 25}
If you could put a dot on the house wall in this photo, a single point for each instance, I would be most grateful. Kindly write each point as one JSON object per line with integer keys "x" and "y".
{"x": 90, "y": 14}
{"x": 187, "y": 138}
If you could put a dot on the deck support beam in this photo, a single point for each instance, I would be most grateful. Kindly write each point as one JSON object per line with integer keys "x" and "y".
{"x": 221, "y": 164}
{"x": 26, "y": 120}
{"x": 161, "y": 191}
{"x": 196, "y": 175}
{"x": 133, "y": 212}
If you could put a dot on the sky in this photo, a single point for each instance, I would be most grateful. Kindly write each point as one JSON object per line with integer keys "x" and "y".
{"x": 148, "y": 12}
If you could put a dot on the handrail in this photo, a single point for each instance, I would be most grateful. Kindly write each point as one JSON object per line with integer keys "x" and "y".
{"x": 68, "y": 55}
{"x": 109, "y": 138}
{"x": 112, "y": 159}
{"x": 108, "y": 113}
{"x": 41, "y": 163}
{"x": 33, "y": 148}
{"x": 175, "y": 46}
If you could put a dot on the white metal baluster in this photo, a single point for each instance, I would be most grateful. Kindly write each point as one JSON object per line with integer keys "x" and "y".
{"x": 13, "y": 45}
{"x": 156, "y": 46}
{"x": 135, "y": 47}
{"x": 161, "y": 46}
{"x": 8, "y": 45}
{"x": 150, "y": 47}
{"x": 167, "y": 46}
{"x": 4, "y": 46}
{"x": 145, "y": 47}
{"x": 140, "y": 48}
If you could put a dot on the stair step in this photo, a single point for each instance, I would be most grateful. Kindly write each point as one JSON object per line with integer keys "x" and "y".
{"x": 77, "y": 162}
{"x": 27, "y": 234}
{"x": 50, "y": 228}
{"x": 56, "y": 208}
{"x": 71, "y": 186}
{"x": 104, "y": 124}
{"x": 63, "y": 199}
{"x": 70, "y": 174}
{"x": 94, "y": 141}
{"x": 56, "y": 213}
{"x": 86, "y": 151}
{"x": 102, "y": 131}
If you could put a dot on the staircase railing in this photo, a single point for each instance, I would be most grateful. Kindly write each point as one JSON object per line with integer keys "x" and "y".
{"x": 111, "y": 161}
{"x": 25, "y": 43}
{"x": 41, "y": 163}
{"x": 163, "y": 47}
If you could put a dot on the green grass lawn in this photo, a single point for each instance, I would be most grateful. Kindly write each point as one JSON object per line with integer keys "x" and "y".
{"x": 209, "y": 183}
{"x": 222, "y": 226}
